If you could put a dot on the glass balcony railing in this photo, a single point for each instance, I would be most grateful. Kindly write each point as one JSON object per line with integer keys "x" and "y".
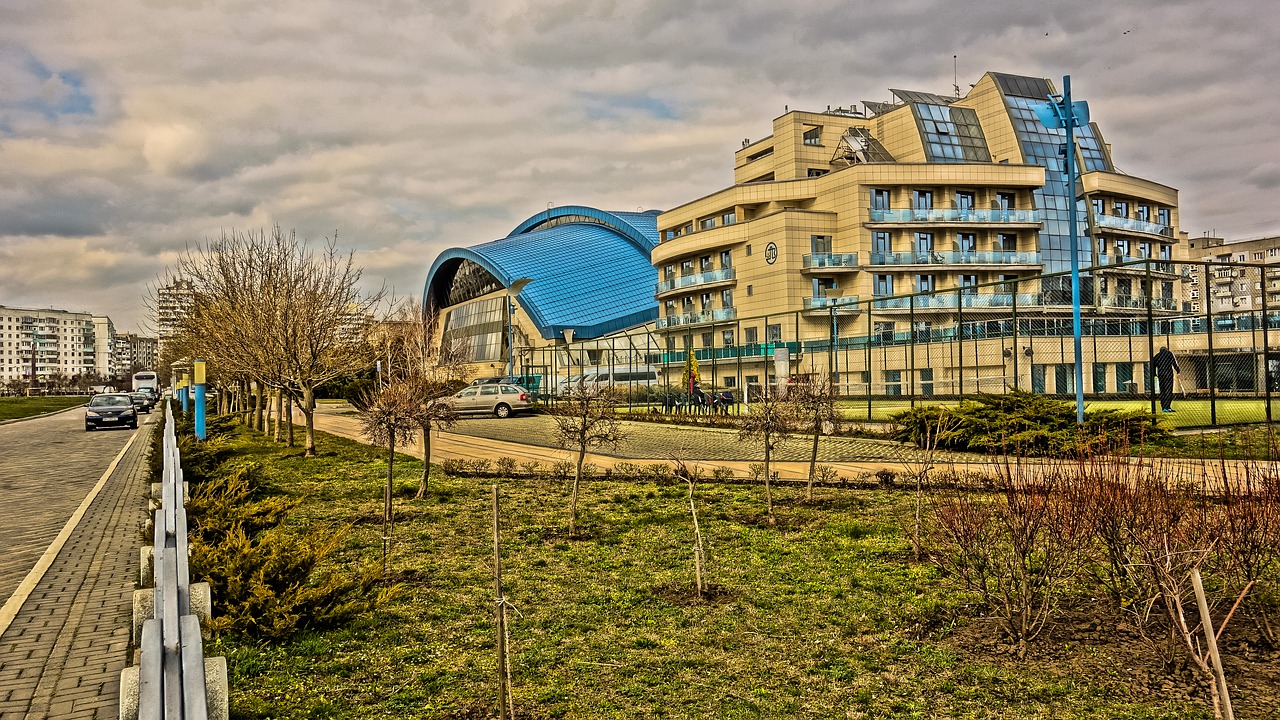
{"x": 910, "y": 215}
{"x": 956, "y": 258}
{"x": 698, "y": 318}
{"x": 821, "y": 303}
{"x": 1160, "y": 266}
{"x": 1124, "y": 223}
{"x": 1135, "y": 302}
{"x": 703, "y": 278}
{"x": 950, "y": 300}
{"x": 818, "y": 260}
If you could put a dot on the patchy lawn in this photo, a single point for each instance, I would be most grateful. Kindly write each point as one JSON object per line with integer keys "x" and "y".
{"x": 824, "y": 615}
{"x": 12, "y": 408}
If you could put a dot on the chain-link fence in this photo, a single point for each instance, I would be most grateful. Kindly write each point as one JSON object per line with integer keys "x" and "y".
{"x": 887, "y": 354}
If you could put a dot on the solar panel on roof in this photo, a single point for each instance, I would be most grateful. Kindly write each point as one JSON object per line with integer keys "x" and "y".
{"x": 878, "y": 108}
{"x": 1022, "y": 86}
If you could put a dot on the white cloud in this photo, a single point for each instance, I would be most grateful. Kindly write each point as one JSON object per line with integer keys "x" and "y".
{"x": 410, "y": 127}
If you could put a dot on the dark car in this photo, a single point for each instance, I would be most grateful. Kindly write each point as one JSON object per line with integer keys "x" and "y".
{"x": 110, "y": 410}
{"x": 143, "y": 401}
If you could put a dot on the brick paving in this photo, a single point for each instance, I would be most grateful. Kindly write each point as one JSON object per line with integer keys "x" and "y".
{"x": 62, "y": 655}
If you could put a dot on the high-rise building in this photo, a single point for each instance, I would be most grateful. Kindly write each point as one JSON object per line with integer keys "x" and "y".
{"x": 134, "y": 352}
{"x": 63, "y": 343}
{"x": 173, "y": 302}
{"x": 844, "y": 211}
{"x": 104, "y": 346}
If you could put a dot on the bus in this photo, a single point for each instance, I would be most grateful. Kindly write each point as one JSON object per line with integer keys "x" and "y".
{"x": 146, "y": 381}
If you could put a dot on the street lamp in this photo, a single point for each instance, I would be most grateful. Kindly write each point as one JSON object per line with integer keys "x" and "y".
{"x": 1060, "y": 112}
{"x": 512, "y": 291}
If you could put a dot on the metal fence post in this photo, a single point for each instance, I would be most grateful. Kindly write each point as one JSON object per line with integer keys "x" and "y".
{"x": 1151, "y": 338}
{"x": 911, "y": 338}
{"x": 868, "y": 365}
{"x": 960, "y": 344}
{"x": 1015, "y": 334}
{"x": 1210, "y": 370}
{"x": 1266, "y": 345}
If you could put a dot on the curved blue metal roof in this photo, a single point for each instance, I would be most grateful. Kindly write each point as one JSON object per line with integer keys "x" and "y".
{"x": 589, "y": 269}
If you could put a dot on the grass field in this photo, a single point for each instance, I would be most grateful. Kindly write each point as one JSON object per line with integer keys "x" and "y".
{"x": 824, "y": 615}
{"x": 12, "y": 408}
{"x": 1187, "y": 413}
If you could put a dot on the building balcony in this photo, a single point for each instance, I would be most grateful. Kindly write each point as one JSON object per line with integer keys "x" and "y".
{"x": 698, "y": 318}
{"x": 910, "y": 216}
{"x": 713, "y": 277}
{"x": 832, "y": 261}
{"x": 840, "y": 304}
{"x": 956, "y": 258}
{"x": 945, "y": 300}
{"x": 1136, "y": 302}
{"x": 1163, "y": 267}
{"x": 1112, "y": 222}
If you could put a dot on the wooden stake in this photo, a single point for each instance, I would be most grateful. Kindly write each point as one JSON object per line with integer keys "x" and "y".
{"x": 699, "y": 560}
{"x": 504, "y": 689}
{"x": 1211, "y": 640}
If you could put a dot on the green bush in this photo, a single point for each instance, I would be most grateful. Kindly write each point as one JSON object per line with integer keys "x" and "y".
{"x": 266, "y": 581}
{"x": 1024, "y": 424}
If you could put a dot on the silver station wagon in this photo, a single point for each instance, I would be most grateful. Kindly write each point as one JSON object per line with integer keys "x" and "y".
{"x": 501, "y": 400}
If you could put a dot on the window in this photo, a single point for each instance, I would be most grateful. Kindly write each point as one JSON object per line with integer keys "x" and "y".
{"x": 1124, "y": 378}
{"x": 1166, "y": 252}
{"x": 1099, "y": 206}
{"x": 922, "y": 330}
{"x": 1120, "y": 208}
{"x": 926, "y": 382}
{"x": 686, "y": 267}
{"x": 922, "y": 199}
{"x": 706, "y": 301}
{"x": 729, "y": 218}
{"x": 964, "y": 203}
{"x": 773, "y": 333}
{"x": 813, "y": 136}
{"x": 1162, "y": 216}
{"x": 688, "y": 228}
{"x": 1006, "y": 242}
{"x": 708, "y": 339}
{"x": 926, "y": 283}
{"x": 704, "y": 263}
{"x": 668, "y": 272}
{"x": 966, "y": 242}
{"x": 1124, "y": 287}
{"x": 817, "y": 172}
{"x": 1122, "y": 249}
{"x": 1099, "y": 378}
{"x": 924, "y": 247}
{"x": 730, "y": 381}
{"x": 750, "y": 290}
{"x": 706, "y": 223}
{"x": 1144, "y": 250}
{"x": 883, "y": 286}
{"x": 1143, "y": 213}
{"x": 879, "y": 199}
{"x": 821, "y": 244}
{"x": 687, "y": 304}
{"x": 726, "y": 259}
{"x": 726, "y": 338}
{"x": 748, "y": 250}
{"x": 880, "y": 244}
{"x": 822, "y": 285}
{"x": 883, "y": 331}
{"x": 1005, "y": 200}
{"x": 892, "y": 382}
{"x": 670, "y": 308}
{"x": 969, "y": 284}
{"x": 726, "y": 298}
{"x": 750, "y": 335}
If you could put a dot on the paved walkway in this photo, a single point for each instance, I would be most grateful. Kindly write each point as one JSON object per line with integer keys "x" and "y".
{"x": 64, "y": 647}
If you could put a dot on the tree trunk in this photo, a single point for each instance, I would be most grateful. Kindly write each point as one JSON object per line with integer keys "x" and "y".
{"x": 426, "y": 461}
{"x": 573, "y": 504}
{"x": 768, "y": 479}
{"x": 279, "y": 437}
{"x": 813, "y": 458}
{"x": 259, "y": 405}
{"x": 291, "y": 402}
{"x": 309, "y": 414}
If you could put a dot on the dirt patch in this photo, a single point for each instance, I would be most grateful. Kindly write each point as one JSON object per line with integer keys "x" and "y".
{"x": 685, "y": 595}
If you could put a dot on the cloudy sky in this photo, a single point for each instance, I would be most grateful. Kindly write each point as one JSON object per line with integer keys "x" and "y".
{"x": 131, "y": 128}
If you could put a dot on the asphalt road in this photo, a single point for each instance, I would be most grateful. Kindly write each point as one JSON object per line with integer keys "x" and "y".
{"x": 47, "y": 467}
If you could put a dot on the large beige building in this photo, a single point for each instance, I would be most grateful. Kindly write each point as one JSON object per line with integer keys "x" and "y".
{"x": 842, "y": 215}
{"x": 63, "y": 342}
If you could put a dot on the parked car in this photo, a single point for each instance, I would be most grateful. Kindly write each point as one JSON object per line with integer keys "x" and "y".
{"x": 502, "y": 400}
{"x": 143, "y": 401}
{"x": 110, "y": 410}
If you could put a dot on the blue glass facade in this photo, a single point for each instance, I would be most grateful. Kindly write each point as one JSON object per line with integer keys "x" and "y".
{"x": 1045, "y": 146}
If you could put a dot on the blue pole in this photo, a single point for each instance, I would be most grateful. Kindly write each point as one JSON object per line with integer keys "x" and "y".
{"x": 1069, "y": 112}
{"x": 186, "y": 393}
{"x": 198, "y": 372}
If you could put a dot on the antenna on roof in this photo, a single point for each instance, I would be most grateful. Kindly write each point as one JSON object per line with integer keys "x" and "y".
{"x": 955, "y": 69}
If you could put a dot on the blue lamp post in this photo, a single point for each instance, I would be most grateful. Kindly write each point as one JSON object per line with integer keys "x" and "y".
{"x": 198, "y": 373}
{"x": 1060, "y": 112}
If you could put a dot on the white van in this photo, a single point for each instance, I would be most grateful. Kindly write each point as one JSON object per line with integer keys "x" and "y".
{"x": 621, "y": 376}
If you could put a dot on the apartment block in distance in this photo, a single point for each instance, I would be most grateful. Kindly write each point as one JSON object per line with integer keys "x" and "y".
{"x": 842, "y": 215}
{"x": 63, "y": 342}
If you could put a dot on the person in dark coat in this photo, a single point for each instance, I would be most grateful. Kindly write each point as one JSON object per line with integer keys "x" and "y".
{"x": 1165, "y": 366}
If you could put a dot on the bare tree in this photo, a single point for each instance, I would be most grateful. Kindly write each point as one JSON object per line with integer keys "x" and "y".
{"x": 584, "y": 420}
{"x": 390, "y": 415}
{"x": 270, "y": 311}
{"x": 771, "y": 420}
{"x": 430, "y": 370}
{"x": 815, "y": 402}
